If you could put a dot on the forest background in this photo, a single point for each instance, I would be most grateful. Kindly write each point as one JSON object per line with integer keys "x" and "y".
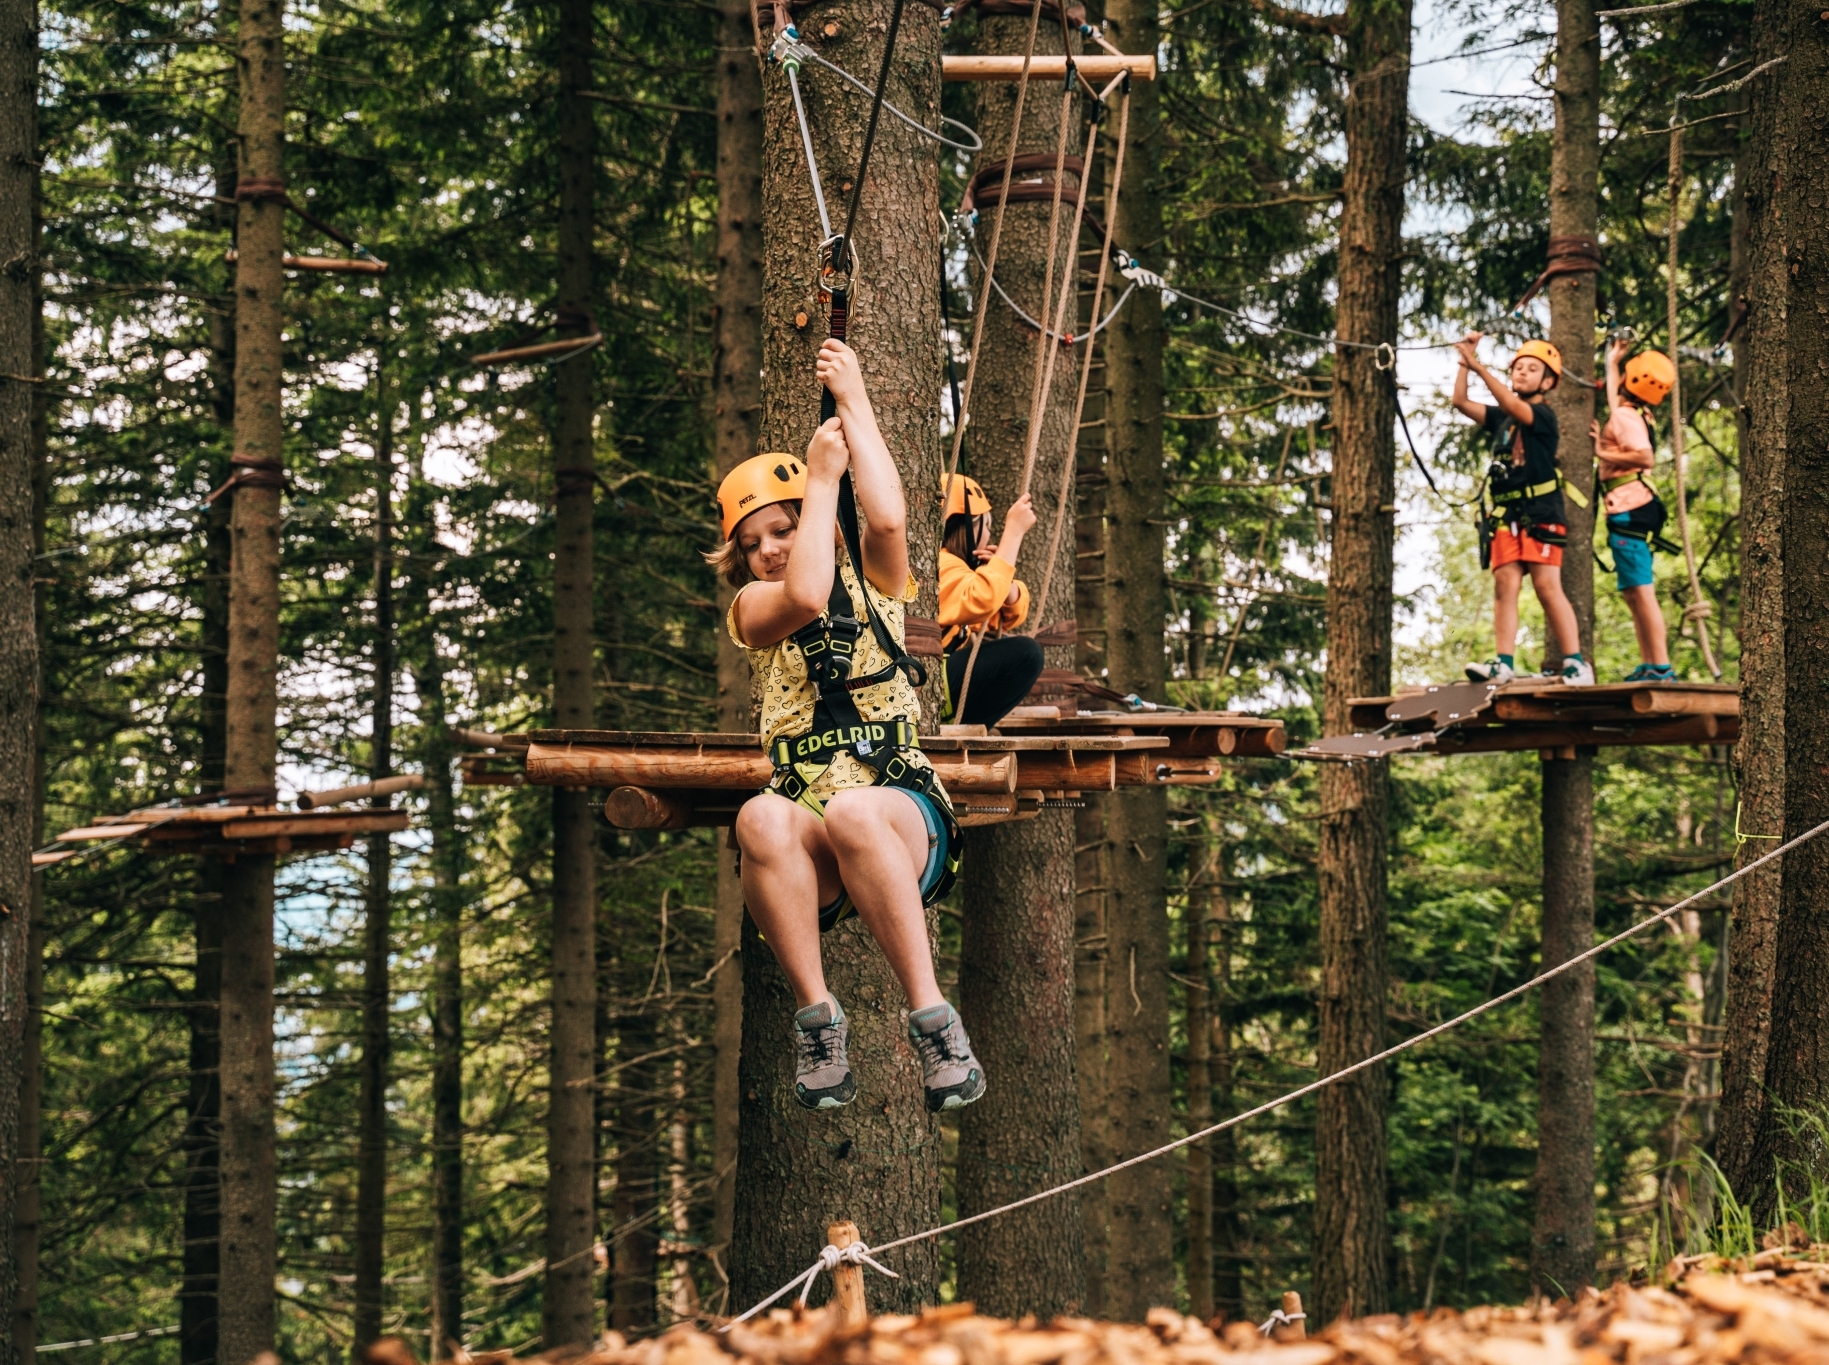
{"x": 427, "y": 132}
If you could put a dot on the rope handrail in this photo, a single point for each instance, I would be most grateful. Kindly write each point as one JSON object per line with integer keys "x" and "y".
{"x": 1302, "y": 1092}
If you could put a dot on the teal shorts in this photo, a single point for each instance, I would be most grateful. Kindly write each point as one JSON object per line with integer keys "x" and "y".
{"x": 831, "y": 916}
{"x": 1631, "y": 556}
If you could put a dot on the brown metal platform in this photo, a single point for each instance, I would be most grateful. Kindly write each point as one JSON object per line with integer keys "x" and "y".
{"x": 1551, "y": 717}
{"x": 224, "y": 831}
{"x": 1037, "y": 758}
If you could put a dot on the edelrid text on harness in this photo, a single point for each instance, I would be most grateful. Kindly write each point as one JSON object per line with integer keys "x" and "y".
{"x": 829, "y": 647}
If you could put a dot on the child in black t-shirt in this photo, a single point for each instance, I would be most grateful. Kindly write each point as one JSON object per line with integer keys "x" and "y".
{"x": 1523, "y": 524}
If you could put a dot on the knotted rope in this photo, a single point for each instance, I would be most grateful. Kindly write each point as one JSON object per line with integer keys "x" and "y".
{"x": 1278, "y": 1318}
{"x": 1302, "y": 1092}
{"x": 831, "y": 1258}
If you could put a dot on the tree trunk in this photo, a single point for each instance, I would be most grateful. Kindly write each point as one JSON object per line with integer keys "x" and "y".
{"x": 1016, "y": 981}
{"x": 447, "y": 861}
{"x": 1352, "y": 1242}
{"x": 1795, "y": 99}
{"x": 27, "y": 1206}
{"x": 737, "y": 396}
{"x": 1760, "y": 382}
{"x": 1562, "y": 1239}
{"x": 197, "y": 1338}
{"x": 1140, "y": 1269}
{"x": 249, "y": 1193}
{"x": 1197, "y": 974}
{"x": 878, "y": 1160}
{"x": 1228, "y": 1229}
{"x": 377, "y": 997}
{"x": 632, "y": 1115}
{"x": 1091, "y": 855}
{"x": 571, "y": 1189}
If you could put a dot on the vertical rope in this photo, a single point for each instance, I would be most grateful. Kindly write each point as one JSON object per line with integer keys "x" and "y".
{"x": 1044, "y": 344}
{"x": 990, "y": 263}
{"x": 1079, "y": 402}
{"x": 1699, "y": 608}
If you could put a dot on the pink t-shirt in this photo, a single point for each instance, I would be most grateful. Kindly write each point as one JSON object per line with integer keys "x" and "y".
{"x": 1625, "y": 448}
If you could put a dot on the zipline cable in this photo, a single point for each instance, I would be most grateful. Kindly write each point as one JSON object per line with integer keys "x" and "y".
{"x": 1302, "y": 1092}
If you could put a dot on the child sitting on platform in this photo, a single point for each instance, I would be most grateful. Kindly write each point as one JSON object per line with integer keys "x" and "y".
{"x": 980, "y": 593}
{"x": 854, "y": 818}
{"x": 1635, "y": 513}
{"x": 1523, "y": 522}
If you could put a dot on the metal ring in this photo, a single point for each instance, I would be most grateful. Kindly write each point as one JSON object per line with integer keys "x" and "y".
{"x": 1384, "y": 357}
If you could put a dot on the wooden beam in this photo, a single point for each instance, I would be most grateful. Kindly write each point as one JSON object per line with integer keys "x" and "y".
{"x": 1095, "y": 67}
{"x": 337, "y": 796}
{"x": 514, "y": 355}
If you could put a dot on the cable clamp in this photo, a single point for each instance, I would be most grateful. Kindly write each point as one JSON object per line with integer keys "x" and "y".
{"x": 1278, "y": 1318}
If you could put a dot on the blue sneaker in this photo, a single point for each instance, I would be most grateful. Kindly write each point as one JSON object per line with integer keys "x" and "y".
{"x": 1652, "y": 673}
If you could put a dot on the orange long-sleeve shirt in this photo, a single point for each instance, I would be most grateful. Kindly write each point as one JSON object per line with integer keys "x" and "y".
{"x": 975, "y": 597}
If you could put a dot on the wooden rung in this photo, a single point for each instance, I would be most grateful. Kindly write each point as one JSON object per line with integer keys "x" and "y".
{"x": 386, "y": 786}
{"x": 516, "y": 354}
{"x": 329, "y": 265}
{"x": 1095, "y": 68}
{"x": 92, "y": 832}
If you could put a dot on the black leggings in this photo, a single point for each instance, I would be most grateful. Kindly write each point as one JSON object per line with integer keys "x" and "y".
{"x": 1006, "y": 669}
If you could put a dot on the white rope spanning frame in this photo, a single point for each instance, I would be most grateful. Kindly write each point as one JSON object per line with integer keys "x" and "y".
{"x": 807, "y": 1277}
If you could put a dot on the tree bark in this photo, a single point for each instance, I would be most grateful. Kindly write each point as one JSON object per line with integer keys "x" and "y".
{"x": 197, "y": 1338}
{"x": 1562, "y": 1238}
{"x": 1140, "y": 1269}
{"x": 1351, "y": 1246}
{"x": 737, "y": 399}
{"x": 1016, "y": 983}
{"x": 437, "y": 755}
{"x": 1197, "y": 974}
{"x": 1760, "y": 384}
{"x": 571, "y": 1190}
{"x": 377, "y": 996}
{"x": 1795, "y": 98}
{"x": 632, "y": 1115}
{"x": 29, "y": 1183}
{"x": 878, "y": 1160}
{"x": 249, "y": 1193}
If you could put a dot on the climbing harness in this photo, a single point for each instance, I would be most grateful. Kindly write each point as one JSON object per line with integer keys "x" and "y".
{"x": 1302, "y": 1092}
{"x": 829, "y": 647}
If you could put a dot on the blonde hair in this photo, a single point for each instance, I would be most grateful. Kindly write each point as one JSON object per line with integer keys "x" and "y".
{"x": 730, "y": 563}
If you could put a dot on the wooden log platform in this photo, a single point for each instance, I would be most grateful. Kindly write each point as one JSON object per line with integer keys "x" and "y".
{"x": 223, "y": 831}
{"x": 1551, "y": 717}
{"x": 1037, "y": 759}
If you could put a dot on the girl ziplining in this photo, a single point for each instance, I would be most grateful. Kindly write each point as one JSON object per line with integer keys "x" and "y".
{"x": 854, "y": 819}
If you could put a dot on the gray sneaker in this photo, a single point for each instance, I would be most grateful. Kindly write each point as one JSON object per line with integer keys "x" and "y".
{"x": 950, "y": 1071}
{"x": 822, "y": 1075}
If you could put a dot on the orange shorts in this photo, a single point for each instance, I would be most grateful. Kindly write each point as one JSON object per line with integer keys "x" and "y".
{"x": 1510, "y": 548}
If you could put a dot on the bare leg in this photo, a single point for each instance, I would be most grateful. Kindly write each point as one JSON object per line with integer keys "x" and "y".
{"x": 1507, "y": 581}
{"x": 1648, "y": 622}
{"x": 788, "y": 873}
{"x": 880, "y": 840}
{"x": 1557, "y": 613}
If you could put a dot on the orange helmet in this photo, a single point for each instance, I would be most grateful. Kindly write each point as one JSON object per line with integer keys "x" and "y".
{"x": 1650, "y": 376}
{"x": 964, "y": 498}
{"x": 1541, "y": 350}
{"x": 757, "y": 482}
